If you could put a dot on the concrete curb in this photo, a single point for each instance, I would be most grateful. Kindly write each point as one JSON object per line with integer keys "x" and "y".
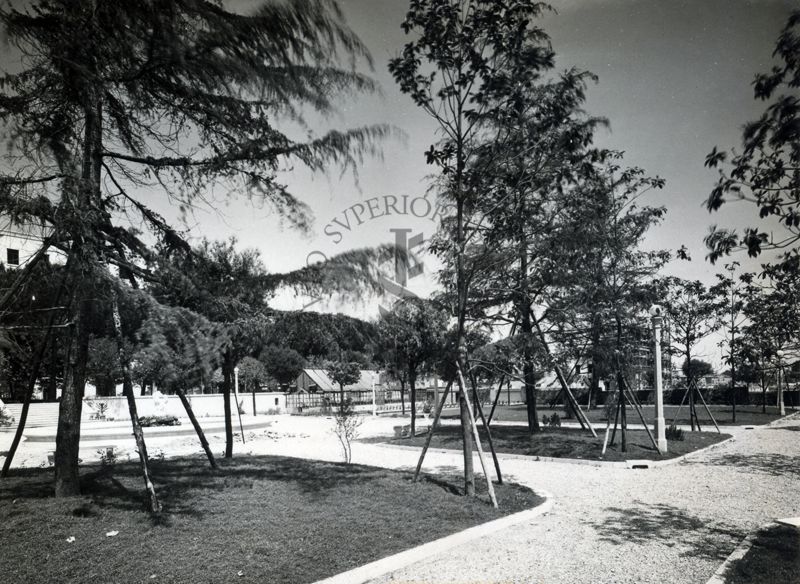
{"x": 736, "y": 555}
{"x": 405, "y": 558}
{"x": 744, "y": 547}
{"x": 629, "y": 464}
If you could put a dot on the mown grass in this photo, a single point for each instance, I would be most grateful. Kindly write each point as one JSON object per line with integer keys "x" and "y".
{"x": 773, "y": 557}
{"x": 258, "y": 519}
{"x": 566, "y": 442}
{"x": 745, "y": 415}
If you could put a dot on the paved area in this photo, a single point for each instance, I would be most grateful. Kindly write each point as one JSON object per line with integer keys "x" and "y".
{"x": 671, "y": 524}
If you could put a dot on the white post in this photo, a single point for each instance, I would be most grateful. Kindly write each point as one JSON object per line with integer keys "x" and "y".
{"x": 661, "y": 437}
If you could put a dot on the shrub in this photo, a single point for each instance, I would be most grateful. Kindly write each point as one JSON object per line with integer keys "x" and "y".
{"x": 346, "y": 429}
{"x": 674, "y": 433}
{"x": 6, "y": 419}
{"x": 552, "y": 421}
{"x": 148, "y": 421}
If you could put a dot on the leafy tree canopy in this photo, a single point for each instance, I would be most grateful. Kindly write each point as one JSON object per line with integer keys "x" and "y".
{"x": 766, "y": 172}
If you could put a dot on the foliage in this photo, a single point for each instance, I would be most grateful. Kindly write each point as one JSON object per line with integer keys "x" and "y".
{"x": 697, "y": 369}
{"x": 322, "y": 335}
{"x": 692, "y": 311}
{"x": 150, "y": 421}
{"x": 6, "y": 419}
{"x": 553, "y": 421}
{"x": 414, "y": 331}
{"x": 346, "y": 429}
{"x": 343, "y": 373}
{"x": 766, "y": 172}
{"x": 674, "y": 433}
{"x": 282, "y": 364}
{"x": 252, "y": 373}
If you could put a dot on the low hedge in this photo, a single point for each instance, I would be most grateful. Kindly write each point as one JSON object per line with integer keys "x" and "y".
{"x": 149, "y": 421}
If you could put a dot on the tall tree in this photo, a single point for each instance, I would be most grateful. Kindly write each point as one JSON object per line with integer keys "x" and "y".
{"x": 416, "y": 327}
{"x": 343, "y": 373}
{"x": 692, "y": 311}
{"x": 731, "y": 294}
{"x": 463, "y": 55}
{"x": 173, "y": 94}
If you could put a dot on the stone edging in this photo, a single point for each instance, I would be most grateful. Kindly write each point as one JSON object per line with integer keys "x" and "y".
{"x": 634, "y": 463}
{"x": 405, "y": 558}
{"x": 736, "y": 555}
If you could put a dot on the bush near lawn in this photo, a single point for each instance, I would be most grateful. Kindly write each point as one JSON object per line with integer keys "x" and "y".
{"x": 566, "y": 442}
{"x": 273, "y": 519}
{"x": 150, "y": 421}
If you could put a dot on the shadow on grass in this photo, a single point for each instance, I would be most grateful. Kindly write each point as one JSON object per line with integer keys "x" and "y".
{"x": 669, "y": 525}
{"x": 183, "y": 483}
{"x": 771, "y": 464}
{"x": 786, "y": 428}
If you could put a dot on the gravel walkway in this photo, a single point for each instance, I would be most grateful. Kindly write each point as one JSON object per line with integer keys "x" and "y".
{"x": 672, "y": 524}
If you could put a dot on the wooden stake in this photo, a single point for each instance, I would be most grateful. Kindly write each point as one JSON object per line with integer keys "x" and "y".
{"x": 709, "y": 411}
{"x": 475, "y": 435}
{"x": 496, "y": 399}
{"x": 439, "y": 408}
{"x": 636, "y": 406}
{"x": 127, "y": 388}
{"x": 197, "y": 428}
{"x": 489, "y": 437}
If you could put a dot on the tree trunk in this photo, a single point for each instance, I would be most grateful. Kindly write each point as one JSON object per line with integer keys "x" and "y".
{"x": 68, "y": 433}
{"x": 227, "y": 374}
{"x": 153, "y": 504}
{"x": 412, "y": 382}
{"x": 466, "y": 436}
{"x": 197, "y": 428}
{"x": 594, "y": 384}
{"x": 403, "y": 398}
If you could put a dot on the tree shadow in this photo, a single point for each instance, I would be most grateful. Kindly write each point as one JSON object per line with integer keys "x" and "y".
{"x": 771, "y": 464}
{"x": 671, "y": 526}
{"x": 787, "y": 428}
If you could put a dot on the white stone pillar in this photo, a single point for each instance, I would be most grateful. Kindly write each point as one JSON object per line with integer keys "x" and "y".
{"x": 661, "y": 438}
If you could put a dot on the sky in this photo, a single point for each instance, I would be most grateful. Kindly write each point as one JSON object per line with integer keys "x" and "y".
{"x": 674, "y": 81}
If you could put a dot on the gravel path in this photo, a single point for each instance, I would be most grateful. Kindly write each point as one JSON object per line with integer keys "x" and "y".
{"x": 672, "y": 524}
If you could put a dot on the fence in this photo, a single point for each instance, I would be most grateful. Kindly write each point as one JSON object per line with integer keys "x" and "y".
{"x": 384, "y": 400}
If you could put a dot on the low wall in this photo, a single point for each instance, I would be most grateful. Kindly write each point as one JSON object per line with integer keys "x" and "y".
{"x": 203, "y": 405}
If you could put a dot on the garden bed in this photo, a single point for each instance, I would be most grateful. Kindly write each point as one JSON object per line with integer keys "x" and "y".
{"x": 258, "y": 519}
{"x": 745, "y": 415}
{"x": 566, "y": 443}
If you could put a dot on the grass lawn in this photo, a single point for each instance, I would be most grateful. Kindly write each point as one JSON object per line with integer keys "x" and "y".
{"x": 745, "y": 415}
{"x": 273, "y": 519}
{"x": 566, "y": 443}
{"x": 774, "y": 557}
